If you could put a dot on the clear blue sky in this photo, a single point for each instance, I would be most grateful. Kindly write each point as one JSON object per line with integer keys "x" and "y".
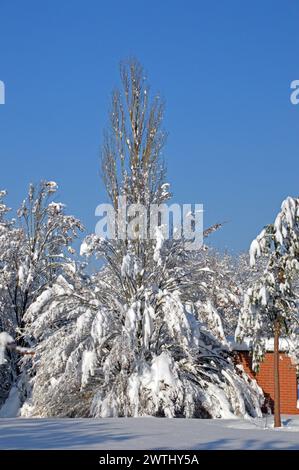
{"x": 224, "y": 68}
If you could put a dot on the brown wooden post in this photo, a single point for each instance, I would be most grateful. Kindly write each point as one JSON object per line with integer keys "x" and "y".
{"x": 277, "y": 418}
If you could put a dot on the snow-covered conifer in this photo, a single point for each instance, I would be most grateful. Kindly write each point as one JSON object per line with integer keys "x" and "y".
{"x": 270, "y": 305}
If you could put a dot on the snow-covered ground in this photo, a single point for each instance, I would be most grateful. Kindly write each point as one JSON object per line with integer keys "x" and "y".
{"x": 147, "y": 433}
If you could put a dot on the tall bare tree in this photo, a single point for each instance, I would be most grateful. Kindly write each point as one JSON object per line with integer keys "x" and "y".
{"x": 131, "y": 153}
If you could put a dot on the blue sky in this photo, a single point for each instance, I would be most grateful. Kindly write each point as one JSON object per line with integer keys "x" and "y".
{"x": 224, "y": 69}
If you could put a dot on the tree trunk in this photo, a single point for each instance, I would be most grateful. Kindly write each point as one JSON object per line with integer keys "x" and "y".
{"x": 277, "y": 419}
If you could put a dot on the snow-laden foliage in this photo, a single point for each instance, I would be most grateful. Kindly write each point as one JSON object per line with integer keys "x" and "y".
{"x": 144, "y": 335}
{"x": 48, "y": 234}
{"x": 9, "y": 243}
{"x": 219, "y": 282}
{"x": 5, "y": 341}
{"x": 271, "y": 301}
{"x": 124, "y": 343}
{"x": 220, "y": 292}
{"x": 34, "y": 250}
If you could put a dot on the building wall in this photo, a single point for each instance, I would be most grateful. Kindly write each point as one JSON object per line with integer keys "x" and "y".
{"x": 265, "y": 379}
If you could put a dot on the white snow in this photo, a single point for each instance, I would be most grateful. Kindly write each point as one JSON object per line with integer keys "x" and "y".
{"x": 126, "y": 266}
{"x": 5, "y": 340}
{"x": 285, "y": 344}
{"x": 89, "y": 360}
{"x": 148, "y": 433}
{"x": 264, "y": 296}
{"x": 84, "y": 249}
{"x": 56, "y": 207}
{"x": 11, "y": 407}
{"x": 159, "y": 373}
{"x": 37, "y": 306}
{"x": 148, "y": 326}
{"x": 132, "y": 315}
{"x": 52, "y": 185}
{"x": 159, "y": 244}
{"x": 254, "y": 251}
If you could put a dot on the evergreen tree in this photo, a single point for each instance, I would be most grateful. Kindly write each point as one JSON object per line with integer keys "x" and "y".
{"x": 270, "y": 304}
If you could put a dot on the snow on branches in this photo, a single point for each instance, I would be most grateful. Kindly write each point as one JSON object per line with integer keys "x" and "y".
{"x": 34, "y": 251}
{"x": 124, "y": 342}
{"x": 8, "y": 343}
{"x": 146, "y": 333}
{"x": 271, "y": 301}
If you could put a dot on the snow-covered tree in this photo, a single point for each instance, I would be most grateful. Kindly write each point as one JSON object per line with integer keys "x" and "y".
{"x": 127, "y": 341}
{"x": 109, "y": 349}
{"x": 146, "y": 333}
{"x": 34, "y": 250}
{"x": 9, "y": 240}
{"x": 270, "y": 305}
{"x": 9, "y": 243}
{"x": 131, "y": 152}
{"x": 45, "y": 251}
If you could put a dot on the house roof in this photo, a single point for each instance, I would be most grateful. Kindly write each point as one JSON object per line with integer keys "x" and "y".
{"x": 285, "y": 344}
